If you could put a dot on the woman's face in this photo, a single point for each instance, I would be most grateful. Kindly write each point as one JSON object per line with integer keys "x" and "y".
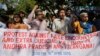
{"x": 17, "y": 18}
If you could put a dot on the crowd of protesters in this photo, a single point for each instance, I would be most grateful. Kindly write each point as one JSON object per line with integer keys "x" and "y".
{"x": 65, "y": 22}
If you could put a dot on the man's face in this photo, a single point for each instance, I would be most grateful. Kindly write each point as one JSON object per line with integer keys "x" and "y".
{"x": 40, "y": 15}
{"x": 62, "y": 13}
{"x": 84, "y": 17}
{"x": 68, "y": 12}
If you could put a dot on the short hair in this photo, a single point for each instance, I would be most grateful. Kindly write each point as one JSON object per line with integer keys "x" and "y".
{"x": 75, "y": 16}
{"x": 84, "y": 13}
{"x": 37, "y": 11}
{"x": 68, "y": 9}
{"x": 61, "y": 10}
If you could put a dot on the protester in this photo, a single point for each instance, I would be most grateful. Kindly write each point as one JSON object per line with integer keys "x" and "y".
{"x": 77, "y": 29}
{"x": 38, "y": 22}
{"x": 62, "y": 23}
{"x": 51, "y": 24}
{"x": 24, "y": 18}
{"x": 32, "y": 15}
{"x": 69, "y": 12}
{"x": 87, "y": 26}
{"x": 18, "y": 23}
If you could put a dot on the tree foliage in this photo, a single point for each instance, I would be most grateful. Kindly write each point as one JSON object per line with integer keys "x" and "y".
{"x": 25, "y": 5}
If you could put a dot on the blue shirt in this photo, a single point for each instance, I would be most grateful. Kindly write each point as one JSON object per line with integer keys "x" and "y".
{"x": 87, "y": 27}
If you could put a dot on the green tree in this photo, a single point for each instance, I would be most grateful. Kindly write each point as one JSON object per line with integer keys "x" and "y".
{"x": 25, "y": 5}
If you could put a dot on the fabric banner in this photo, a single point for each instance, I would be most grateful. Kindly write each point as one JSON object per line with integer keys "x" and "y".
{"x": 15, "y": 42}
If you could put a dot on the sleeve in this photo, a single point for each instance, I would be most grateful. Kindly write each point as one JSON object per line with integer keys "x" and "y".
{"x": 31, "y": 15}
{"x": 55, "y": 25}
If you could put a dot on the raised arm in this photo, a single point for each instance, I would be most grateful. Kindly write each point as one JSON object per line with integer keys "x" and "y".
{"x": 32, "y": 14}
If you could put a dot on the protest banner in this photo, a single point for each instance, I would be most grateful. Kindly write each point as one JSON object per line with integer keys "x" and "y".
{"x": 15, "y": 42}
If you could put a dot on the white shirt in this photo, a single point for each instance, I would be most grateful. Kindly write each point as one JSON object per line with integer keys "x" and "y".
{"x": 25, "y": 20}
{"x": 62, "y": 24}
{"x": 37, "y": 25}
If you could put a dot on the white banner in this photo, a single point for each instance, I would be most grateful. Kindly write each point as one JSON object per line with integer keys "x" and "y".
{"x": 43, "y": 43}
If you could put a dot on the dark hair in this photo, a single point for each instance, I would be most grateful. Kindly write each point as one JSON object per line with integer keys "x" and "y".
{"x": 82, "y": 11}
{"x": 75, "y": 17}
{"x": 68, "y": 9}
{"x": 52, "y": 15}
{"x": 21, "y": 12}
{"x": 17, "y": 15}
{"x": 11, "y": 21}
{"x": 61, "y": 10}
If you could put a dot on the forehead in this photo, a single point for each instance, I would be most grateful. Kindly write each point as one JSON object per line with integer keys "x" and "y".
{"x": 62, "y": 11}
{"x": 84, "y": 14}
{"x": 40, "y": 12}
{"x": 16, "y": 16}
